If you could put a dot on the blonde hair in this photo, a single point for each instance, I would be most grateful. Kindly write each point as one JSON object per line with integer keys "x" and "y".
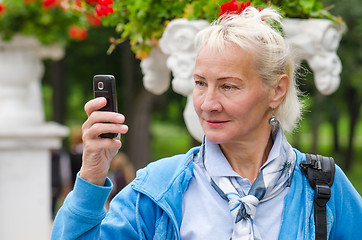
{"x": 251, "y": 30}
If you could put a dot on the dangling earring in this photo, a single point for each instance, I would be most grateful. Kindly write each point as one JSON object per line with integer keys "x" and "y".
{"x": 273, "y": 120}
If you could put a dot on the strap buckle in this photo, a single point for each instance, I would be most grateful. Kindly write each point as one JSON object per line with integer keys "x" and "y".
{"x": 323, "y": 194}
{"x": 312, "y": 162}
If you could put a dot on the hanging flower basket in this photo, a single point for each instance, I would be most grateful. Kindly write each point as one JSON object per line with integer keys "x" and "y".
{"x": 143, "y": 22}
{"x": 49, "y": 21}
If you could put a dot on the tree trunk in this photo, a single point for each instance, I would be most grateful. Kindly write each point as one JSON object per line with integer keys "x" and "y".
{"x": 139, "y": 138}
{"x": 336, "y": 147}
{"x": 354, "y": 112}
{"x": 315, "y": 124}
{"x": 315, "y": 135}
{"x": 58, "y": 86}
{"x": 137, "y": 105}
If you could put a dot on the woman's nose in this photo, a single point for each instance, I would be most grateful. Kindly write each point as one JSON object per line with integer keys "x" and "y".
{"x": 211, "y": 102}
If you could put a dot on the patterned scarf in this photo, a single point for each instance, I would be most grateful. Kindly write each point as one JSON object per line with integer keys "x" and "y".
{"x": 274, "y": 176}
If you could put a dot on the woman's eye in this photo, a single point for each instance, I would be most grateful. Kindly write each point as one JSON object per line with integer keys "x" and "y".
{"x": 200, "y": 83}
{"x": 228, "y": 87}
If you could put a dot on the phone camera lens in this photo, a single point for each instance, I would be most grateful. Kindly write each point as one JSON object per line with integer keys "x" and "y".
{"x": 100, "y": 85}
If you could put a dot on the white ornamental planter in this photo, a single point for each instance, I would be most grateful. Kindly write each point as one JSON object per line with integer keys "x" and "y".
{"x": 25, "y": 140}
{"x": 21, "y": 69}
{"x": 313, "y": 40}
{"x": 317, "y": 42}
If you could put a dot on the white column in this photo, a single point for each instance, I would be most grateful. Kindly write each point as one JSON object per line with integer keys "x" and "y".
{"x": 25, "y": 180}
{"x": 25, "y": 141}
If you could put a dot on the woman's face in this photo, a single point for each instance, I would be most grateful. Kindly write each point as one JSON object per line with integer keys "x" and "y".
{"x": 229, "y": 97}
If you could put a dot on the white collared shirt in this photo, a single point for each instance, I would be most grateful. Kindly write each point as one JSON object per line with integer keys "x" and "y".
{"x": 205, "y": 215}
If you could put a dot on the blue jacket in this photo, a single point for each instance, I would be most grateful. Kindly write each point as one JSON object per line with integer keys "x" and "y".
{"x": 151, "y": 206}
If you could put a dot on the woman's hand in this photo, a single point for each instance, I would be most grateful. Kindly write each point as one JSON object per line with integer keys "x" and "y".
{"x": 98, "y": 152}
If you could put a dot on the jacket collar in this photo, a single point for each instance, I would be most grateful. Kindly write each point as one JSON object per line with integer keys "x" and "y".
{"x": 165, "y": 181}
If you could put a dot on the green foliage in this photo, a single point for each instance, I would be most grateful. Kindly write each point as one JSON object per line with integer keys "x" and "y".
{"x": 355, "y": 175}
{"x": 143, "y": 21}
{"x": 48, "y": 25}
{"x": 300, "y": 8}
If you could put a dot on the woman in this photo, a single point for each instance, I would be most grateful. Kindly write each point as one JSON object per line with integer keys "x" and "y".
{"x": 243, "y": 182}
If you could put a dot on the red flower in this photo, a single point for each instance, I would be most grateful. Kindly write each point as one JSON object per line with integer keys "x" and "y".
{"x": 228, "y": 7}
{"x": 50, "y": 3}
{"x": 105, "y": 2}
{"x": 243, "y": 6}
{"x": 233, "y": 7}
{"x": 100, "y": 2}
{"x": 77, "y": 32}
{"x": 92, "y": 1}
{"x": 2, "y": 7}
{"x": 78, "y": 3}
{"x": 103, "y": 10}
{"x": 94, "y": 21}
{"x": 102, "y": 7}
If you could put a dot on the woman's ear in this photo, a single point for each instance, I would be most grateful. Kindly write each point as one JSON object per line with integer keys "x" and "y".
{"x": 279, "y": 91}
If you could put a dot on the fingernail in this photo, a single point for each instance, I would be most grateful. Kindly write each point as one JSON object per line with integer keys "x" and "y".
{"x": 120, "y": 118}
{"x": 124, "y": 128}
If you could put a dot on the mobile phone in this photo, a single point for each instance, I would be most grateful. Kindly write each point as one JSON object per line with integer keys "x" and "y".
{"x": 105, "y": 86}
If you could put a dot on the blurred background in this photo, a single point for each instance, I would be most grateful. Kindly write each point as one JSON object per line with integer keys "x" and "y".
{"x": 331, "y": 125}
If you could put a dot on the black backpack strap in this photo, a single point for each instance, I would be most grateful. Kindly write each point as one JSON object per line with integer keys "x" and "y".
{"x": 320, "y": 173}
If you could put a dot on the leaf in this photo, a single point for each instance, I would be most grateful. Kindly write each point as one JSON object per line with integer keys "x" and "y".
{"x": 307, "y": 5}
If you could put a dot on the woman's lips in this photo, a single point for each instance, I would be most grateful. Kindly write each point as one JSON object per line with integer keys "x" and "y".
{"x": 216, "y": 123}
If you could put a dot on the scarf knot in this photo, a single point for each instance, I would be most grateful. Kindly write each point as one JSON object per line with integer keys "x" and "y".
{"x": 242, "y": 207}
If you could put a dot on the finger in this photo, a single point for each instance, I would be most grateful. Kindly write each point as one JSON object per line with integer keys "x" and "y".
{"x": 112, "y": 117}
{"x": 96, "y": 145}
{"x": 124, "y": 131}
{"x": 94, "y": 105}
{"x": 99, "y": 128}
{"x": 103, "y": 117}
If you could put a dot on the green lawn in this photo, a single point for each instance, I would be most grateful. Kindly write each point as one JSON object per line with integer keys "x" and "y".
{"x": 325, "y": 146}
{"x": 355, "y": 175}
{"x": 169, "y": 140}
